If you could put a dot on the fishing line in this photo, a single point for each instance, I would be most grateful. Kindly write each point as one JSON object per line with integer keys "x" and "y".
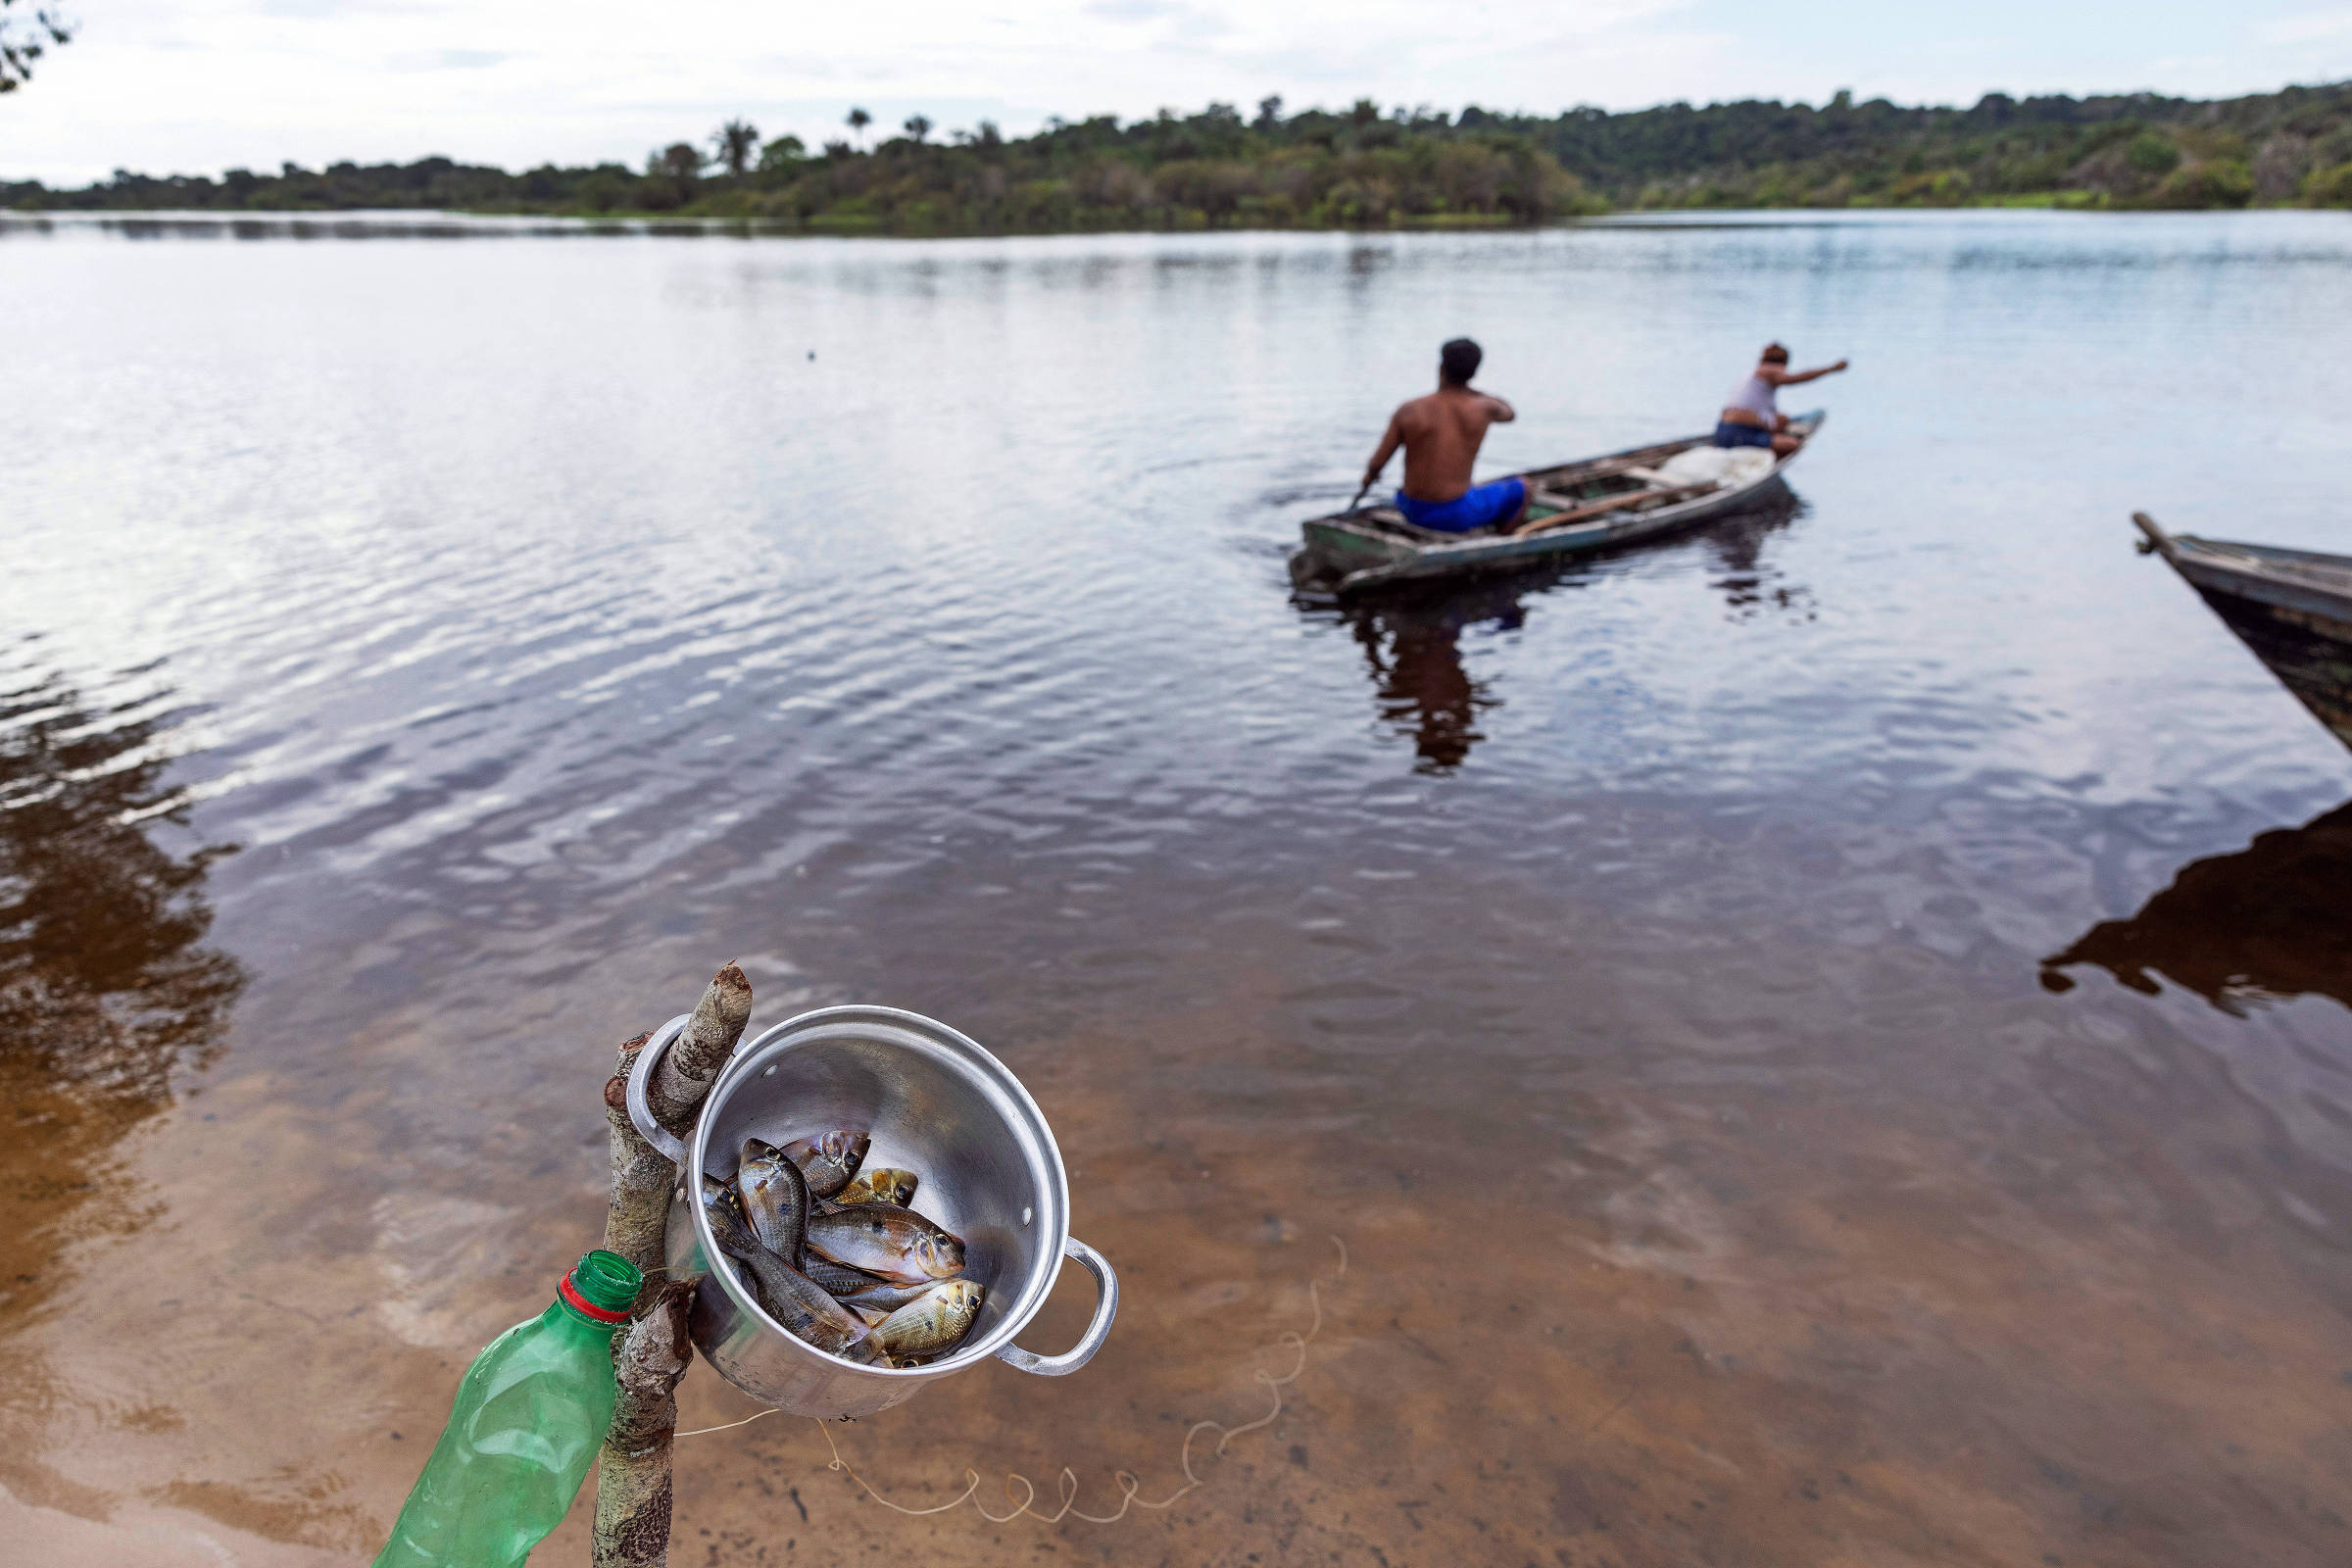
{"x": 1129, "y": 1488}
{"x": 729, "y": 1427}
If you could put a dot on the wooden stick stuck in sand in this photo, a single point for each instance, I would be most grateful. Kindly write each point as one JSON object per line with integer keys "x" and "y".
{"x": 633, "y": 1468}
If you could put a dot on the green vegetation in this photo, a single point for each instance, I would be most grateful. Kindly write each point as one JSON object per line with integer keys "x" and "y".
{"x": 26, "y": 36}
{"x": 1366, "y": 169}
{"x": 2136, "y": 151}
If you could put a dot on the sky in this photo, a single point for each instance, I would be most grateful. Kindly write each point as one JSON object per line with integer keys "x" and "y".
{"x": 202, "y": 85}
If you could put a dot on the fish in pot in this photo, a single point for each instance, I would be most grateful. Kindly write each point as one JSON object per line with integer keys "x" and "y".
{"x": 994, "y": 1196}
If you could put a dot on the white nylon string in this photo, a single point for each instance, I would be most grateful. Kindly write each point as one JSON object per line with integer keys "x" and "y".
{"x": 1021, "y": 1492}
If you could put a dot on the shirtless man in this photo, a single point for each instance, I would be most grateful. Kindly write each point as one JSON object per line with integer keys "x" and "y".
{"x": 1441, "y": 435}
{"x": 1751, "y": 418}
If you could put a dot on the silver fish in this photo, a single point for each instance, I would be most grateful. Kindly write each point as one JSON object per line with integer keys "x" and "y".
{"x": 880, "y": 1185}
{"x": 829, "y": 1160}
{"x": 792, "y": 1300}
{"x": 835, "y": 1279}
{"x": 775, "y": 1199}
{"x": 783, "y": 1291}
{"x": 728, "y": 1224}
{"x": 895, "y": 1243}
{"x": 885, "y": 1296}
{"x": 933, "y": 1322}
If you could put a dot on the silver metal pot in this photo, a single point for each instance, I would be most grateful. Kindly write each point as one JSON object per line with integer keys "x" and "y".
{"x": 935, "y": 1103}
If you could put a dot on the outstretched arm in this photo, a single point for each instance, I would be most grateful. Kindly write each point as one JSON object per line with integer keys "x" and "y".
{"x": 1503, "y": 413}
{"x": 1390, "y": 439}
{"x": 1799, "y": 377}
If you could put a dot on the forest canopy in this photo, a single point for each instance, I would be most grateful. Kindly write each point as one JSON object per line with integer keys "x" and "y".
{"x": 1369, "y": 167}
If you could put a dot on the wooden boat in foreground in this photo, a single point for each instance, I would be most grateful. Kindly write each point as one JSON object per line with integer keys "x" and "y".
{"x": 2293, "y": 608}
{"x": 1582, "y": 508}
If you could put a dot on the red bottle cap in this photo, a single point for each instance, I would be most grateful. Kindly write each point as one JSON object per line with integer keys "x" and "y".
{"x": 585, "y": 1307}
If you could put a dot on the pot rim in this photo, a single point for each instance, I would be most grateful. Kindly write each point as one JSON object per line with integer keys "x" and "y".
{"x": 760, "y": 1051}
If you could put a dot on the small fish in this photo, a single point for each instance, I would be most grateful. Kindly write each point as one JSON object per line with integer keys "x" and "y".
{"x": 829, "y": 1159}
{"x": 835, "y": 1279}
{"x": 775, "y": 1199}
{"x": 728, "y": 1227}
{"x": 932, "y": 1322}
{"x": 897, "y": 1243}
{"x": 881, "y": 1185}
{"x": 807, "y": 1312}
{"x": 884, "y": 1295}
{"x": 783, "y": 1291}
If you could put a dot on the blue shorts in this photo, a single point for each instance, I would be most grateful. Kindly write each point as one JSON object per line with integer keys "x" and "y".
{"x": 1728, "y": 434}
{"x": 1478, "y": 506}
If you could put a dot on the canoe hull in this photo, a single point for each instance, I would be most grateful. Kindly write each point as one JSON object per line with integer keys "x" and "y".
{"x": 1347, "y": 554}
{"x": 2292, "y": 608}
{"x": 2311, "y": 655}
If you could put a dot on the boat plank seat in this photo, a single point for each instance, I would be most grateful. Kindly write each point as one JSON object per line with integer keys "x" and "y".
{"x": 1396, "y": 521}
{"x": 1616, "y": 502}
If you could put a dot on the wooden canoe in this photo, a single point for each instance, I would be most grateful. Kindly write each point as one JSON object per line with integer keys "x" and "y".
{"x": 1582, "y": 508}
{"x": 2293, "y": 608}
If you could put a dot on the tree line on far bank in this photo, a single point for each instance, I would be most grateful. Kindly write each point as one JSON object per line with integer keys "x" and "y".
{"x": 1366, "y": 168}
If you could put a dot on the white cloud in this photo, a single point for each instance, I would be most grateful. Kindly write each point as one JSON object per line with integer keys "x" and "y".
{"x": 2309, "y": 27}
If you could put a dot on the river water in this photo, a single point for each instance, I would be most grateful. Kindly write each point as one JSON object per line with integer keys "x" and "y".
{"x": 430, "y": 651}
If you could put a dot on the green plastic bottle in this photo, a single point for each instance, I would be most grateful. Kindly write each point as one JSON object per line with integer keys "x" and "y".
{"x": 530, "y": 1413}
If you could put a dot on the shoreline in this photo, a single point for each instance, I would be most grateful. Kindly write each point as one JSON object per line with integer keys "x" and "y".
{"x": 683, "y": 224}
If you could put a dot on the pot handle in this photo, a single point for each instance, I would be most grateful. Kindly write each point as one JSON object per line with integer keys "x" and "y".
{"x": 641, "y": 1109}
{"x": 1107, "y": 1307}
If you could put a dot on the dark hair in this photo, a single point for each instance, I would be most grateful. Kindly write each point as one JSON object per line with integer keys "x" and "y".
{"x": 1458, "y": 361}
{"x": 1773, "y": 354}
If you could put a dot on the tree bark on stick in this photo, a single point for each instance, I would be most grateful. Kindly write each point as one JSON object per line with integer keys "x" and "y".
{"x": 637, "y": 1213}
{"x": 633, "y": 1468}
{"x": 695, "y": 1057}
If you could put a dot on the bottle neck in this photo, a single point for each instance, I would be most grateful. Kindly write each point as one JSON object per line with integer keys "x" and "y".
{"x": 561, "y": 1317}
{"x": 603, "y": 1302}
{"x": 564, "y": 1308}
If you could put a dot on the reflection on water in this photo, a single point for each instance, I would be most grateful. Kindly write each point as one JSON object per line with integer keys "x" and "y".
{"x": 1415, "y": 655}
{"x": 105, "y": 985}
{"x": 2270, "y": 921}
{"x": 1411, "y": 638}
{"x": 395, "y": 225}
{"x": 1750, "y": 583}
{"x": 564, "y": 629}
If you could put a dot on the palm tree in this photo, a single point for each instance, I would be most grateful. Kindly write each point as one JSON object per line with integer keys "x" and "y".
{"x": 735, "y": 142}
{"x": 859, "y": 121}
{"x": 918, "y": 126}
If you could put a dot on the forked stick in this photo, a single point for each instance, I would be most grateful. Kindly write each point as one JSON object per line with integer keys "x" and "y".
{"x": 633, "y": 1468}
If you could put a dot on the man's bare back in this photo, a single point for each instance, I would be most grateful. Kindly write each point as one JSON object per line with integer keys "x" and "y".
{"x": 1440, "y": 434}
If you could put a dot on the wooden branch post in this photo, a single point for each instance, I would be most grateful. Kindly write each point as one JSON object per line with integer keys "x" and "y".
{"x": 632, "y": 1473}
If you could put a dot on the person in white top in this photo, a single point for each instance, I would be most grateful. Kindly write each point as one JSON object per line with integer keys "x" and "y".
{"x": 1750, "y": 417}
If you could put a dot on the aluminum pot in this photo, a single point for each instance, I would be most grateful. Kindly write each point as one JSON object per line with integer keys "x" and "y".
{"x": 935, "y": 1103}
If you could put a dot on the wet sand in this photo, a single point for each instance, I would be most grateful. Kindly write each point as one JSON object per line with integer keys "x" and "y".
{"x": 1993, "y": 1299}
{"x": 1796, "y": 1080}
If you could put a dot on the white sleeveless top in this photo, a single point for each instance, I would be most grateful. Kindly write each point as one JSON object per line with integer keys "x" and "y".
{"x": 1755, "y": 396}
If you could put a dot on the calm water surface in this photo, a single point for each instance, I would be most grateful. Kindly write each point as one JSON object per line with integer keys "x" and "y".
{"x": 1824, "y": 1042}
